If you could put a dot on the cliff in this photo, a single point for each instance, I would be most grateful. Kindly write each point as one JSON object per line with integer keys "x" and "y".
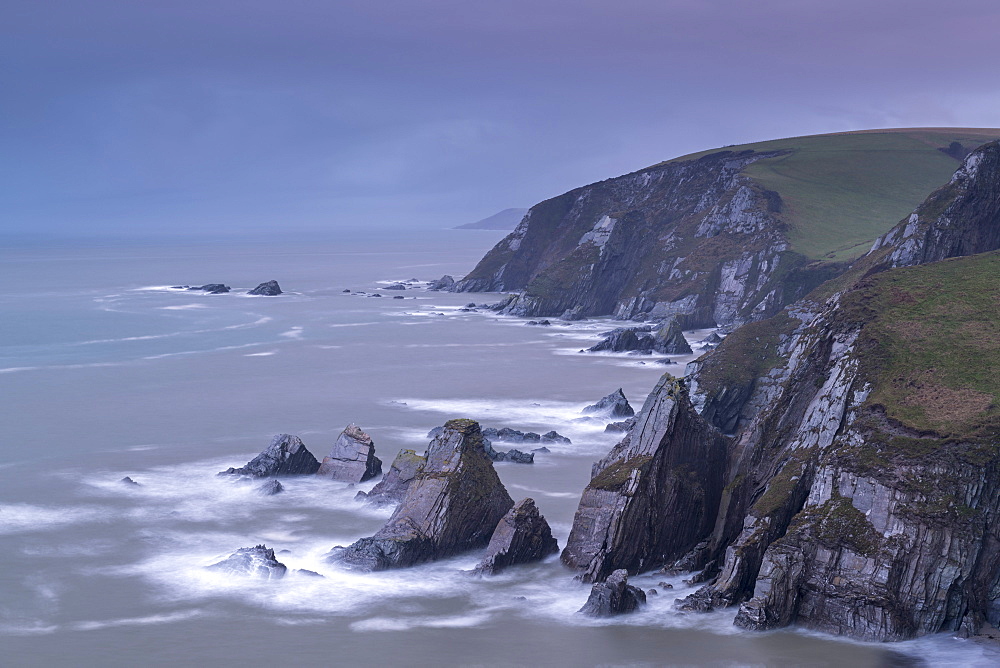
{"x": 857, "y": 487}
{"x": 726, "y": 237}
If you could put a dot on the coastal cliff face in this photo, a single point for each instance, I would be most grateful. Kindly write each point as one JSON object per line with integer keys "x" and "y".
{"x": 858, "y": 486}
{"x": 693, "y": 239}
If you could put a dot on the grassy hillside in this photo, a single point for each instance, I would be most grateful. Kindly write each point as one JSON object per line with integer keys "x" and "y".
{"x": 841, "y": 191}
{"x": 931, "y": 342}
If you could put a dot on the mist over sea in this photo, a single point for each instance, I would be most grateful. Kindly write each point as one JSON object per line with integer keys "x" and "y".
{"x": 105, "y": 372}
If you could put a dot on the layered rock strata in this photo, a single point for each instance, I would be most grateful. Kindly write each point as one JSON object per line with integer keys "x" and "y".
{"x": 452, "y": 506}
{"x": 522, "y": 536}
{"x": 352, "y": 458}
{"x": 613, "y": 597}
{"x": 286, "y": 455}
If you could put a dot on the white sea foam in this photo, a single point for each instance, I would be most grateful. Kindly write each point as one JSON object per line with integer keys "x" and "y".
{"x": 137, "y": 621}
{"x": 263, "y": 354}
{"x": 293, "y": 333}
{"x": 182, "y": 307}
{"x": 25, "y": 518}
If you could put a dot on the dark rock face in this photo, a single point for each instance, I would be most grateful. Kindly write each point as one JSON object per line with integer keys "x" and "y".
{"x": 613, "y": 597}
{"x": 640, "y": 478}
{"x": 451, "y": 506}
{"x": 352, "y": 458}
{"x": 270, "y": 488}
{"x": 832, "y": 504}
{"x": 255, "y": 562}
{"x": 621, "y": 341}
{"x": 269, "y": 289}
{"x": 286, "y": 455}
{"x": 615, "y": 405}
{"x": 521, "y": 537}
{"x": 212, "y": 288}
{"x": 694, "y": 239}
{"x": 446, "y": 282}
{"x": 669, "y": 339}
{"x": 392, "y": 488}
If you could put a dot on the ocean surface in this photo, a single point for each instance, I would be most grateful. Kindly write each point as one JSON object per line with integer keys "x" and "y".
{"x": 106, "y": 371}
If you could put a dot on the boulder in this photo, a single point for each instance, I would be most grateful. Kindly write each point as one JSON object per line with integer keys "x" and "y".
{"x": 256, "y": 562}
{"x": 521, "y": 537}
{"x": 396, "y": 286}
{"x": 128, "y": 481}
{"x": 615, "y": 596}
{"x": 352, "y": 458}
{"x": 625, "y": 339}
{"x": 443, "y": 283}
{"x": 712, "y": 338}
{"x": 669, "y": 339}
{"x": 451, "y": 506}
{"x": 270, "y": 488}
{"x": 269, "y": 289}
{"x": 346, "y": 290}
{"x": 615, "y": 405}
{"x": 286, "y": 455}
{"x": 392, "y": 488}
{"x": 399, "y": 297}
{"x": 555, "y": 437}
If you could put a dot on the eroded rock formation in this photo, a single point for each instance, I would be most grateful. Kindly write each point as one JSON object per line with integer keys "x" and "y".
{"x": 522, "y": 536}
{"x": 286, "y": 455}
{"x": 352, "y": 458}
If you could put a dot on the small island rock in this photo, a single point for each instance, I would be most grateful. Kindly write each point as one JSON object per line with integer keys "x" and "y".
{"x": 615, "y": 596}
{"x": 521, "y": 537}
{"x": 286, "y": 455}
{"x": 269, "y": 289}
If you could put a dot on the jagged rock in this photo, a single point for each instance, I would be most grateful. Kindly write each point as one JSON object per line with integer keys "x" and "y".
{"x": 270, "y": 488}
{"x": 639, "y": 479}
{"x": 712, "y": 338}
{"x": 268, "y": 289}
{"x": 664, "y": 361}
{"x": 846, "y": 497}
{"x": 451, "y": 506}
{"x": 613, "y": 597}
{"x": 396, "y": 286}
{"x": 256, "y": 562}
{"x": 128, "y": 481}
{"x": 446, "y": 282}
{"x": 555, "y": 437}
{"x": 346, "y": 290}
{"x": 522, "y": 536}
{"x": 622, "y": 426}
{"x": 512, "y": 455}
{"x": 392, "y": 488}
{"x": 572, "y": 315}
{"x": 352, "y": 458}
{"x": 286, "y": 455}
{"x": 669, "y": 339}
{"x": 542, "y": 450}
{"x": 615, "y": 405}
{"x": 437, "y": 431}
{"x": 375, "y": 295}
{"x": 623, "y": 340}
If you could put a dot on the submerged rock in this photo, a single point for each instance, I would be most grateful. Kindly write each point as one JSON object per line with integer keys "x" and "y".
{"x": 521, "y": 537}
{"x": 352, "y": 458}
{"x": 613, "y": 597}
{"x": 286, "y": 455}
{"x": 128, "y": 481}
{"x": 396, "y": 286}
{"x": 615, "y": 405}
{"x": 269, "y": 289}
{"x": 555, "y": 437}
{"x": 392, "y": 488}
{"x": 270, "y": 488}
{"x": 450, "y": 507}
{"x": 256, "y": 562}
{"x": 211, "y": 288}
{"x": 712, "y": 338}
{"x": 443, "y": 283}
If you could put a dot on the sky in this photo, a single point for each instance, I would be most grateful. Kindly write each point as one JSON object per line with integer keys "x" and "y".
{"x": 134, "y": 117}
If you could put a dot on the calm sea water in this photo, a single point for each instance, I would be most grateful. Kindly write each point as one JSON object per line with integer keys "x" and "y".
{"x": 106, "y": 372}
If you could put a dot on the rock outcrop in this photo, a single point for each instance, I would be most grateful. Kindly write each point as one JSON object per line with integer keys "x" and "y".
{"x": 615, "y": 405}
{"x": 694, "y": 239}
{"x": 254, "y": 562}
{"x": 450, "y": 507}
{"x": 522, "y": 536}
{"x": 268, "y": 289}
{"x": 858, "y": 488}
{"x": 392, "y": 488}
{"x": 286, "y": 455}
{"x": 446, "y": 282}
{"x": 613, "y": 597}
{"x": 352, "y": 458}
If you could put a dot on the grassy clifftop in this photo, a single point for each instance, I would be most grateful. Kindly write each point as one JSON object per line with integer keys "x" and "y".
{"x": 841, "y": 191}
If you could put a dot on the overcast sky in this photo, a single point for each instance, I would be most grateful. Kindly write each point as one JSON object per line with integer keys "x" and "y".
{"x": 305, "y": 116}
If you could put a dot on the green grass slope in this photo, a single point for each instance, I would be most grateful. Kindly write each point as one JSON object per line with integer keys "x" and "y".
{"x": 841, "y": 191}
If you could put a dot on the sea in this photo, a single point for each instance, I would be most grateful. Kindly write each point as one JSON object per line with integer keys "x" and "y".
{"x": 107, "y": 370}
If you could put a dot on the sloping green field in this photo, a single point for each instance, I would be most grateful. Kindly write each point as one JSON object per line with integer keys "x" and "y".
{"x": 841, "y": 191}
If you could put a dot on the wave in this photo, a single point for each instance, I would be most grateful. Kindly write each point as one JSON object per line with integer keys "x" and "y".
{"x": 27, "y": 518}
